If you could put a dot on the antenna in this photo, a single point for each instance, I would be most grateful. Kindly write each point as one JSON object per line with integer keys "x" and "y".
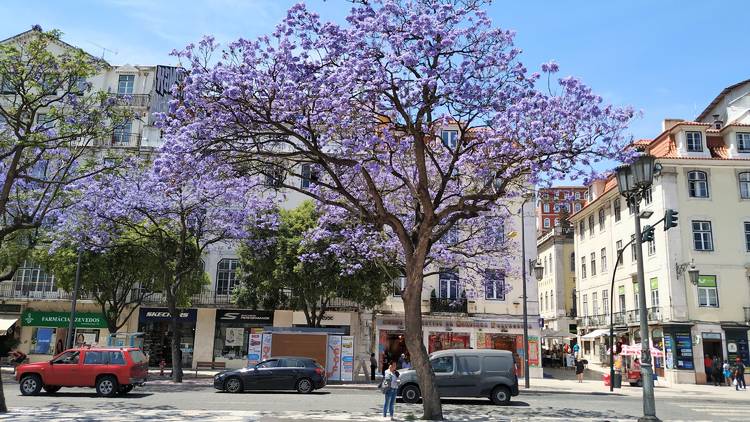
{"x": 104, "y": 49}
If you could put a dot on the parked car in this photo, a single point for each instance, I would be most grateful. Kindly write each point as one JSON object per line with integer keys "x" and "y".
{"x": 277, "y": 373}
{"x": 466, "y": 373}
{"x": 110, "y": 370}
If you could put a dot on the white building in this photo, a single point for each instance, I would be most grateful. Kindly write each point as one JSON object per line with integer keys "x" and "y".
{"x": 556, "y": 289}
{"x": 705, "y": 176}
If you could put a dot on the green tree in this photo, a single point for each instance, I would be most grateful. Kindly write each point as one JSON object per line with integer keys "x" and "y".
{"x": 276, "y": 276}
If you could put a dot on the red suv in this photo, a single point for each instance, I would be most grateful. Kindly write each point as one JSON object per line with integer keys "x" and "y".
{"x": 110, "y": 370}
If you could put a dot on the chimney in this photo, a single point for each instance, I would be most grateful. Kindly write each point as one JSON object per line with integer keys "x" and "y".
{"x": 670, "y": 123}
{"x": 718, "y": 123}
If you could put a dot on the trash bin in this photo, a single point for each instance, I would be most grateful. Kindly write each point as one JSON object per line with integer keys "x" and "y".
{"x": 605, "y": 377}
{"x": 618, "y": 380}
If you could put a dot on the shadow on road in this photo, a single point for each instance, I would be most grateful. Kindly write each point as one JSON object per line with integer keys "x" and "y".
{"x": 63, "y": 395}
{"x": 314, "y": 393}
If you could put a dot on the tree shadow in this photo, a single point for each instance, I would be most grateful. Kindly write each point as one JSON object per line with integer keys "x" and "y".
{"x": 263, "y": 392}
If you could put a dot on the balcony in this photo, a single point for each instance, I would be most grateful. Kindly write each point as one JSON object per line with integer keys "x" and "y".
{"x": 618, "y": 318}
{"x": 633, "y": 316}
{"x": 458, "y": 305}
{"x": 119, "y": 140}
{"x": 654, "y": 313}
{"x": 131, "y": 100}
{"x": 36, "y": 291}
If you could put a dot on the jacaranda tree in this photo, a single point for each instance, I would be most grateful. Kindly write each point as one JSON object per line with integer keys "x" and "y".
{"x": 356, "y": 111}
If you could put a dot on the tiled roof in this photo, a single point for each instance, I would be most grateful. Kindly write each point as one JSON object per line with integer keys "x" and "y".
{"x": 718, "y": 99}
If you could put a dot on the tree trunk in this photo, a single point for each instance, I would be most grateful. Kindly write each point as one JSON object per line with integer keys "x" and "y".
{"x": 173, "y": 326}
{"x": 420, "y": 360}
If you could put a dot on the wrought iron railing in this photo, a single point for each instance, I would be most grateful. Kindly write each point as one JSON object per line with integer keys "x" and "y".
{"x": 131, "y": 100}
{"x": 654, "y": 313}
{"x": 457, "y": 305}
{"x": 618, "y": 318}
{"x": 634, "y": 316}
{"x": 35, "y": 291}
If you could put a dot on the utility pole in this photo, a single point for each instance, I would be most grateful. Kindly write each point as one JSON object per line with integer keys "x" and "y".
{"x": 72, "y": 323}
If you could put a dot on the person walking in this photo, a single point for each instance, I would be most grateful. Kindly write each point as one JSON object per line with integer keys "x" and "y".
{"x": 390, "y": 389}
{"x": 580, "y": 367}
{"x": 739, "y": 375}
{"x": 373, "y": 366}
{"x": 727, "y": 373}
{"x": 716, "y": 371}
{"x": 707, "y": 365}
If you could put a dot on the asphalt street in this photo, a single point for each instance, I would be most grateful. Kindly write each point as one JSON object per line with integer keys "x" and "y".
{"x": 199, "y": 401}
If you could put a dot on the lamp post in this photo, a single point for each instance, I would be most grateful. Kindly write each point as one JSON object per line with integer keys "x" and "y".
{"x": 632, "y": 181}
{"x": 538, "y": 275}
{"x": 72, "y": 323}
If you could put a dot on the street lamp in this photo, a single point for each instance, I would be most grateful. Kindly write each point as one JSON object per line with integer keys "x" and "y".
{"x": 632, "y": 182}
{"x": 526, "y": 378}
{"x": 538, "y": 270}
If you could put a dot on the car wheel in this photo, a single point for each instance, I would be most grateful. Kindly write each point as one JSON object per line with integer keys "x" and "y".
{"x": 233, "y": 385}
{"x": 52, "y": 389}
{"x": 125, "y": 389}
{"x": 106, "y": 386}
{"x": 500, "y": 395}
{"x": 410, "y": 393}
{"x": 304, "y": 386}
{"x": 31, "y": 385}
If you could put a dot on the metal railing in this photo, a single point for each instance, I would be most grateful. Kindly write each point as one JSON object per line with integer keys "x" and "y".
{"x": 458, "y": 305}
{"x": 654, "y": 313}
{"x": 36, "y": 291}
{"x": 618, "y": 318}
{"x": 634, "y": 316}
{"x": 131, "y": 100}
{"x": 120, "y": 139}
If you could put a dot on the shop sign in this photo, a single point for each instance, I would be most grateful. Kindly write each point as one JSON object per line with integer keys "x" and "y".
{"x": 241, "y": 315}
{"x": 707, "y": 281}
{"x": 347, "y": 358}
{"x": 162, "y": 314}
{"x": 712, "y": 336}
{"x": 329, "y": 318}
{"x": 533, "y": 351}
{"x": 465, "y": 323}
{"x": 669, "y": 361}
{"x": 62, "y": 319}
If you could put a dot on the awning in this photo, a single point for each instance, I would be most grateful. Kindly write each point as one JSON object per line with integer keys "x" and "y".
{"x": 6, "y": 323}
{"x": 596, "y": 333}
{"x": 548, "y": 333}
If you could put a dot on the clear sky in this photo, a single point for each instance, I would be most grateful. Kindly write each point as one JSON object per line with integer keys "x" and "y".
{"x": 667, "y": 58}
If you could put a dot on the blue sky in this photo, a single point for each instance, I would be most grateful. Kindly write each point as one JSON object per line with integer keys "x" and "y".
{"x": 667, "y": 58}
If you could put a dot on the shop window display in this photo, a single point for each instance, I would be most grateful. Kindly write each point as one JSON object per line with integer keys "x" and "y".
{"x": 445, "y": 341}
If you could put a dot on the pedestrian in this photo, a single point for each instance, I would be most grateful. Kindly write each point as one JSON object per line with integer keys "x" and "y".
{"x": 707, "y": 365}
{"x": 16, "y": 358}
{"x": 401, "y": 361}
{"x": 727, "y": 373}
{"x": 716, "y": 371}
{"x": 390, "y": 389}
{"x": 739, "y": 375}
{"x": 373, "y": 366}
{"x": 579, "y": 370}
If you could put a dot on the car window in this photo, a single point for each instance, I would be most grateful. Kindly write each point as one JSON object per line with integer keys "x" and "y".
{"x": 497, "y": 364}
{"x": 273, "y": 363}
{"x": 137, "y": 356}
{"x": 468, "y": 364}
{"x": 116, "y": 358}
{"x": 301, "y": 364}
{"x": 67, "y": 358}
{"x": 94, "y": 358}
{"x": 443, "y": 364}
{"x": 287, "y": 363}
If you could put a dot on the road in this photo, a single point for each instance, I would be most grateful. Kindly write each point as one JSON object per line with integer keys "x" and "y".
{"x": 198, "y": 401}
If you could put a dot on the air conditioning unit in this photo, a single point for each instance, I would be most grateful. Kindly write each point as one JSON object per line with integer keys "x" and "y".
{"x": 471, "y": 307}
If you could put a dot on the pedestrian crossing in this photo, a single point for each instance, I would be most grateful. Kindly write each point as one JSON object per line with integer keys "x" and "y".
{"x": 723, "y": 411}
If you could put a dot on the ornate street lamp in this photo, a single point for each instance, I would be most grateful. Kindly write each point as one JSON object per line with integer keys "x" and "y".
{"x": 693, "y": 274}
{"x": 538, "y": 271}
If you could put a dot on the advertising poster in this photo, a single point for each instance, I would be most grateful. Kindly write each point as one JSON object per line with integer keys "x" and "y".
{"x": 534, "y": 351}
{"x": 266, "y": 350}
{"x": 347, "y": 358}
{"x": 233, "y": 336}
{"x": 668, "y": 356}
{"x": 684, "y": 351}
{"x": 254, "y": 348}
{"x": 333, "y": 358}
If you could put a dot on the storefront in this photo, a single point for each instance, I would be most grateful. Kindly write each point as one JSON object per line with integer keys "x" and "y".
{"x": 678, "y": 354}
{"x": 154, "y": 323}
{"x": 232, "y": 334}
{"x": 331, "y": 319}
{"x": 737, "y": 344}
{"x": 45, "y": 333}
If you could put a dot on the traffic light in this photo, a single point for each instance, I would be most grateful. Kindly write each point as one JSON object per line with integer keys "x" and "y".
{"x": 648, "y": 234}
{"x": 670, "y": 219}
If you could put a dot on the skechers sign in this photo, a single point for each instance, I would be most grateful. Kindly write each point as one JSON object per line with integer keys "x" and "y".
{"x": 162, "y": 314}
{"x": 239, "y": 315}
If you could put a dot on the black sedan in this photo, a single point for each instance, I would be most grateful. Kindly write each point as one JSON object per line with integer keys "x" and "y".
{"x": 278, "y": 373}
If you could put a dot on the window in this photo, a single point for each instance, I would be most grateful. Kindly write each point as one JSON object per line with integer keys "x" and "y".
{"x": 272, "y": 363}
{"x": 546, "y": 223}
{"x": 617, "y": 209}
{"x": 544, "y": 267}
{"x": 585, "y": 305}
{"x": 557, "y": 222}
{"x": 137, "y": 356}
{"x": 583, "y": 267}
{"x": 468, "y": 364}
{"x": 545, "y": 304}
{"x": 552, "y": 300}
{"x": 698, "y": 184}
{"x": 226, "y": 276}
{"x": 274, "y": 177}
{"x": 578, "y": 195}
{"x": 694, "y": 141}
{"x": 442, "y": 365}
{"x": 94, "y": 358}
{"x": 497, "y": 363}
{"x": 310, "y": 175}
{"x": 601, "y": 219}
{"x": 652, "y": 246}
{"x": 450, "y": 138}
{"x": 399, "y": 285}
{"x": 42, "y": 340}
{"x": 708, "y": 295}
{"x": 744, "y": 185}
{"x": 290, "y": 363}
{"x": 743, "y": 142}
{"x": 125, "y": 84}
{"x": 573, "y": 261}
{"x": 31, "y": 278}
{"x": 545, "y": 207}
{"x": 621, "y": 298}
{"x": 116, "y": 358}
{"x": 494, "y": 284}
{"x": 702, "y": 237}
{"x": 594, "y": 304}
{"x": 591, "y": 225}
{"x": 605, "y": 301}
{"x": 654, "y": 292}
{"x": 618, "y": 247}
{"x": 557, "y": 208}
{"x": 6, "y": 87}
{"x": 451, "y": 236}
{"x": 581, "y": 229}
{"x": 122, "y": 133}
{"x": 633, "y": 255}
{"x": 648, "y": 196}
{"x": 747, "y": 236}
{"x": 44, "y": 122}
{"x": 67, "y": 358}
{"x": 448, "y": 284}
{"x": 603, "y": 258}
{"x": 593, "y": 263}
{"x": 636, "y": 297}
{"x": 577, "y": 206}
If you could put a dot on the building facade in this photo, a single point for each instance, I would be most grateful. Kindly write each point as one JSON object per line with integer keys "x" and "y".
{"x": 555, "y": 203}
{"x": 704, "y": 174}
{"x": 556, "y": 289}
